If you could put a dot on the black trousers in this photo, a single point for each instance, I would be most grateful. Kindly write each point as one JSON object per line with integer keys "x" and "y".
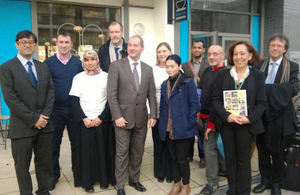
{"x": 179, "y": 152}
{"x": 237, "y": 142}
{"x": 162, "y": 157}
{"x": 62, "y": 117}
{"x": 41, "y": 145}
{"x": 270, "y": 163}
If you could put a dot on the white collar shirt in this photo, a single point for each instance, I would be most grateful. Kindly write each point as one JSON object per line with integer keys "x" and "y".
{"x": 24, "y": 63}
{"x": 278, "y": 62}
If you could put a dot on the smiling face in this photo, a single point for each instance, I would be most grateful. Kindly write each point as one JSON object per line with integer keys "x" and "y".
{"x": 115, "y": 34}
{"x": 64, "y": 45}
{"x": 172, "y": 68}
{"x": 26, "y": 47}
{"x": 134, "y": 48}
{"x": 162, "y": 53}
{"x": 90, "y": 63}
{"x": 277, "y": 49}
{"x": 241, "y": 56}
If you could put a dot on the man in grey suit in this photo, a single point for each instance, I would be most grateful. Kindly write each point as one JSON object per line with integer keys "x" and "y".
{"x": 130, "y": 84}
{"x": 28, "y": 91}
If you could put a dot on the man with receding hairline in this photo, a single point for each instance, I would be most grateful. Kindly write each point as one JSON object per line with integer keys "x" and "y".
{"x": 115, "y": 48}
{"x": 130, "y": 84}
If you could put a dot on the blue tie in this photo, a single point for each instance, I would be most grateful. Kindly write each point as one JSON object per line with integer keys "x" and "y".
{"x": 31, "y": 74}
{"x": 271, "y": 76}
{"x": 117, "y": 53}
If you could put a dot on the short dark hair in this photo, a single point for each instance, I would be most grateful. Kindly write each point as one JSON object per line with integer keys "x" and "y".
{"x": 64, "y": 33}
{"x": 116, "y": 23}
{"x": 175, "y": 58}
{"x": 281, "y": 37}
{"x": 198, "y": 41}
{"x": 255, "y": 57}
{"x": 26, "y": 34}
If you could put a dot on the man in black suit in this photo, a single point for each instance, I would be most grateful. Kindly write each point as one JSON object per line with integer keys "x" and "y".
{"x": 28, "y": 91}
{"x": 115, "y": 48}
{"x": 280, "y": 122}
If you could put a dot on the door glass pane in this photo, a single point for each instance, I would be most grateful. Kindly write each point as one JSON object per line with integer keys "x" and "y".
{"x": 222, "y": 22}
{"x": 229, "y": 5}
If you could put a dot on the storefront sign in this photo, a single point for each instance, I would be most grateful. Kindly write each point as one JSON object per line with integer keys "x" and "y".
{"x": 181, "y": 10}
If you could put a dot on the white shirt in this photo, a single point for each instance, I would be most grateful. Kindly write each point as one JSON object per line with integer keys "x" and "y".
{"x": 138, "y": 67}
{"x": 160, "y": 75}
{"x": 91, "y": 91}
{"x": 278, "y": 62}
{"x": 24, "y": 63}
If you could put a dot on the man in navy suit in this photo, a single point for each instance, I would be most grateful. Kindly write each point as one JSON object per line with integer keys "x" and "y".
{"x": 28, "y": 91}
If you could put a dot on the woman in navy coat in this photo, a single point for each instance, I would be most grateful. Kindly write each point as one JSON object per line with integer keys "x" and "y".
{"x": 177, "y": 121}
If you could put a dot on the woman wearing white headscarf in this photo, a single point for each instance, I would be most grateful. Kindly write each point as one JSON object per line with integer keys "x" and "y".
{"x": 95, "y": 131}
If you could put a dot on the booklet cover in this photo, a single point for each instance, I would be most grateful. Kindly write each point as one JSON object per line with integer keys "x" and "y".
{"x": 235, "y": 102}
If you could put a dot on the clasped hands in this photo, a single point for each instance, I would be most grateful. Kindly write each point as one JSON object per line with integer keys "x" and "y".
{"x": 241, "y": 120}
{"x": 121, "y": 122}
{"x": 42, "y": 122}
{"x": 91, "y": 123}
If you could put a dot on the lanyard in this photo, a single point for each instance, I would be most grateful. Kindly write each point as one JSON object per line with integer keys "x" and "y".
{"x": 236, "y": 85}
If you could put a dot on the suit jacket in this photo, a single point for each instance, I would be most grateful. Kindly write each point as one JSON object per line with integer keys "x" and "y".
{"x": 26, "y": 102}
{"x": 187, "y": 70}
{"x": 256, "y": 99}
{"x": 104, "y": 56}
{"x": 123, "y": 98}
{"x": 280, "y": 116}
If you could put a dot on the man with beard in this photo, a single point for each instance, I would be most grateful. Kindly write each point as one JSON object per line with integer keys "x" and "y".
{"x": 115, "y": 48}
{"x": 215, "y": 56}
{"x": 195, "y": 69}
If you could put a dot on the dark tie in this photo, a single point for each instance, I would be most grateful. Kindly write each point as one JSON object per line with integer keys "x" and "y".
{"x": 117, "y": 53}
{"x": 136, "y": 76}
{"x": 271, "y": 76}
{"x": 31, "y": 74}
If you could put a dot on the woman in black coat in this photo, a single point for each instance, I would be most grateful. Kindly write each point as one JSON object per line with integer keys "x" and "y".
{"x": 238, "y": 128}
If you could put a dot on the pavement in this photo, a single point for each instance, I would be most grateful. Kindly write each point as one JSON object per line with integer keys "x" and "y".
{"x": 65, "y": 186}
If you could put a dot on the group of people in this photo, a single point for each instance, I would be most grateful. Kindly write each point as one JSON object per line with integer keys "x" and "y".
{"x": 102, "y": 102}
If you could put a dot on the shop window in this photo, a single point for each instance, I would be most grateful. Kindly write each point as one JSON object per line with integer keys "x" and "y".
{"x": 87, "y": 25}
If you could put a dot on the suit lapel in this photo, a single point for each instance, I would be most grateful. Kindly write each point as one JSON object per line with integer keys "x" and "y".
{"x": 23, "y": 71}
{"x": 39, "y": 72}
{"x": 143, "y": 74}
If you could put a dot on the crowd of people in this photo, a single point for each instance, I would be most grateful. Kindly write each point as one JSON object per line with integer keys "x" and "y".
{"x": 102, "y": 102}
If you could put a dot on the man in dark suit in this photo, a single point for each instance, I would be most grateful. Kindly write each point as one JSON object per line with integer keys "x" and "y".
{"x": 195, "y": 69}
{"x": 27, "y": 89}
{"x": 280, "y": 121}
{"x": 115, "y": 48}
{"x": 130, "y": 84}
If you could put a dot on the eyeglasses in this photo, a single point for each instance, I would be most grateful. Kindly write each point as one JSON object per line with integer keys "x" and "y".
{"x": 23, "y": 42}
{"x": 213, "y": 54}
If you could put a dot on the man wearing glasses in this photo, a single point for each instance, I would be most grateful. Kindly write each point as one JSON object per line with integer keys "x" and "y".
{"x": 28, "y": 91}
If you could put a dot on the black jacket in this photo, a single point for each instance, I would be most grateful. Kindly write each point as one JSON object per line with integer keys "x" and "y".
{"x": 104, "y": 57}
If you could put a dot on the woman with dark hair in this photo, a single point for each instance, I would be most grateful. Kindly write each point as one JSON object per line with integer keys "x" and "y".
{"x": 162, "y": 156}
{"x": 177, "y": 121}
{"x": 239, "y": 117}
{"x": 96, "y": 143}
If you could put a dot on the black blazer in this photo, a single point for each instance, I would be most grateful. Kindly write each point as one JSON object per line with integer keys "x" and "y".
{"x": 26, "y": 102}
{"x": 104, "y": 57}
{"x": 256, "y": 98}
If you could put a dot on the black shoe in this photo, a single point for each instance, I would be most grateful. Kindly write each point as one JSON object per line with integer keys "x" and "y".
{"x": 169, "y": 180}
{"x": 121, "y": 192}
{"x": 103, "y": 187}
{"x": 275, "y": 190}
{"x": 138, "y": 186}
{"x": 260, "y": 188}
{"x": 89, "y": 189}
{"x": 160, "y": 180}
{"x": 54, "y": 182}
